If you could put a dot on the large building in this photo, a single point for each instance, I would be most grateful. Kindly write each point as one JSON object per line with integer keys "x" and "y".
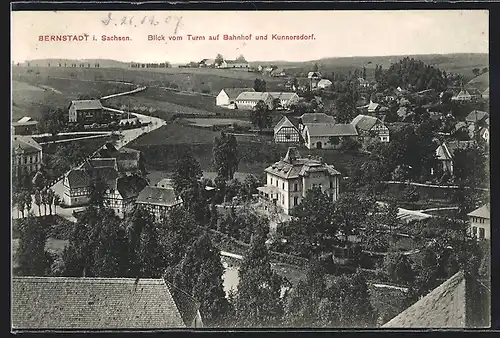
{"x": 234, "y": 64}
{"x": 26, "y": 155}
{"x": 158, "y": 200}
{"x": 319, "y": 131}
{"x": 88, "y": 112}
{"x": 248, "y": 100}
{"x": 25, "y": 126}
{"x": 82, "y": 303}
{"x": 288, "y": 180}
{"x": 227, "y": 96}
{"x": 286, "y": 99}
{"x": 479, "y": 220}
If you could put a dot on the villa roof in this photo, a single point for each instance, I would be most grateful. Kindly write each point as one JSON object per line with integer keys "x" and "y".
{"x": 482, "y": 212}
{"x": 26, "y": 144}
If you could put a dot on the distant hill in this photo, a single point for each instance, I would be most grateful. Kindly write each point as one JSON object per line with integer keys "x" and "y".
{"x": 480, "y": 82}
{"x": 103, "y": 63}
{"x": 457, "y": 63}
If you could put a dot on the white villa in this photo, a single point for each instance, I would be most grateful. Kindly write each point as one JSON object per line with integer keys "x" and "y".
{"x": 289, "y": 179}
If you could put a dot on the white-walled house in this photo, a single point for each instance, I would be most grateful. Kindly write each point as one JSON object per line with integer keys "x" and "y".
{"x": 248, "y": 100}
{"x": 289, "y": 180}
{"x": 479, "y": 220}
{"x": 370, "y": 127}
{"x": 324, "y": 83}
{"x": 158, "y": 200}
{"x": 286, "y": 99}
{"x": 320, "y": 131}
{"x": 227, "y": 96}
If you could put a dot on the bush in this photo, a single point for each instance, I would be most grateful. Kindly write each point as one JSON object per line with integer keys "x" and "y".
{"x": 410, "y": 194}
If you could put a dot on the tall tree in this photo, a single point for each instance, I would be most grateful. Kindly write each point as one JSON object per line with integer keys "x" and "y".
{"x": 399, "y": 268}
{"x": 302, "y": 306}
{"x": 32, "y": 258}
{"x": 260, "y": 115}
{"x": 259, "y": 85}
{"x": 218, "y": 59}
{"x": 258, "y": 302}
{"x": 52, "y": 121}
{"x": 312, "y": 231}
{"x": 315, "y": 67}
{"x": 38, "y": 201}
{"x": 364, "y": 73}
{"x": 346, "y": 104}
{"x": 187, "y": 172}
{"x": 225, "y": 155}
{"x": 202, "y": 261}
{"x": 351, "y": 210}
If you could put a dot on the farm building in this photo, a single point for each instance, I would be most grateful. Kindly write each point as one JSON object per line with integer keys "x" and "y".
{"x": 25, "y": 126}
{"x": 462, "y": 96}
{"x": 445, "y": 152}
{"x": 286, "y": 99}
{"x": 158, "y": 200}
{"x": 476, "y": 117}
{"x": 207, "y": 63}
{"x": 287, "y": 130}
{"x": 462, "y": 301}
{"x": 58, "y": 303}
{"x": 369, "y": 127}
{"x": 228, "y": 96}
{"x": 234, "y": 64}
{"x": 248, "y": 100}
{"x": 288, "y": 180}
{"x": 88, "y": 112}
{"x": 326, "y": 135}
{"x": 278, "y": 72}
{"x": 314, "y": 78}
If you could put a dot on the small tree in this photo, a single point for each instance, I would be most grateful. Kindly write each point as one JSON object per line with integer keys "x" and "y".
{"x": 57, "y": 202}
{"x": 260, "y": 115}
{"x": 38, "y": 201}
{"x": 50, "y": 199}
{"x": 399, "y": 268}
{"x": 32, "y": 258}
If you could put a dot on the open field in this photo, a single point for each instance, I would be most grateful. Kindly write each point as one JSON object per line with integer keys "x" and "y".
{"x": 192, "y": 79}
{"x": 160, "y": 146}
{"x": 201, "y": 122}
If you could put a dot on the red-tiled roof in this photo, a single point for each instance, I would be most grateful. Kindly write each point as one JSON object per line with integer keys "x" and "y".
{"x": 94, "y": 303}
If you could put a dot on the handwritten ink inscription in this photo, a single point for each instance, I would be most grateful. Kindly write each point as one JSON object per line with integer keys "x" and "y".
{"x": 152, "y": 20}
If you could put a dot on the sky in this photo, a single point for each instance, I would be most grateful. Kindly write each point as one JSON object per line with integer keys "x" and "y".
{"x": 336, "y": 34}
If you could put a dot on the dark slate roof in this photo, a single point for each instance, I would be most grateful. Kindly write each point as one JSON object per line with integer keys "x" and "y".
{"x": 443, "y": 307}
{"x": 364, "y": 122}
{"x": 476, "y": 116}
{"x": 130, "y": 186}
{"x": 292, "y": 166}
{"x": 103, "y": 162}
{"x": 317, "y": 118}
{"x": 25, "y": 143}
{"x": 87, "y": 104}
{"x": 78, "y": 178}
{"x": 93, "y": 303}
{"x": 330, "y": 129}
{"x": 158, "y": 196}
{"x": 233, "y": 93}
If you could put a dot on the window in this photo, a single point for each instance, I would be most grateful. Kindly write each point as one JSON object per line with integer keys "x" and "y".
{"x": 283, "y": 185}
{"x": 271, "y": 181}
{"x": 474, "y": 231}
{"x": 287, "y": 136}
{"x": 277, "y": 183}
{"x": 295, "y": 187}
{"x": 481, "y": 233}
{"x": 331, "y": 184}
{"x": 295, "y": 200}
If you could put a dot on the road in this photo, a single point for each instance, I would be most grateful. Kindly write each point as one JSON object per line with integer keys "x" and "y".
{"x": 127, "y": 137}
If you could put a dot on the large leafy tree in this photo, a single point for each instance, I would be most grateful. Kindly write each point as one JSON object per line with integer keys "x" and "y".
{"x": 225, "y": 155}
{"x": 52, "y": 121}
{"x": 260, "y": 115}
{"x": 398, "y": 267}
{"x": 187, "y": 172}
{"x": 313, "y": 229}
{"x": 302, "y": 306}
{"x": 258, "y": 302}
{"x": 32, "y": 258}
{"x": 199, "y": 273}
{"x": 259, "y": 85}
{"x": 346, "y": 104}
{"x": 352, "y": 210}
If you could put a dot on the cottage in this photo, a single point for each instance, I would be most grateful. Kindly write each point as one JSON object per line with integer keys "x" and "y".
{"x": 158, "y": 200}
{"x": 324, "y": 83}
{"x": 234, "y": 64}
{"x": 278, "y": 72}
{"x": 369, "y": 127}
{"x": 445, "y": 152}
{"x": 83, "y": 303}
{"x": 363, "y": 83}
{"x": 460, "y": 302}
{"x": 373, "y": 107}
{"x": 327, "y": 135}
{"x": 476, "y": 117}
{"x": 479, "y": 220}
{"x": 287, "y": 130}
{"x": 248, "y": 100}
{"x": 228, "y": 96}
{"x": 128, "y": 160}
{"x": 207, "y": 63}
{"x": 314, "y": 78}
{"x": 462, "y": 96}
{"x": 288, "y": 180}
{"x": 26, "y": 155}
{"x": 286, "y": 99}
{"x": 24, "y": 126}
{"x": 88, "y": 112}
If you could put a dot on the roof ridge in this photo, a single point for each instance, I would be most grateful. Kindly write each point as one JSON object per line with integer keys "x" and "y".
{"x": 102, "y": 280}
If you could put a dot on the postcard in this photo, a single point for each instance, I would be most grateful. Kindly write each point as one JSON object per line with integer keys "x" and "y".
{"x": 179, "y": 170}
